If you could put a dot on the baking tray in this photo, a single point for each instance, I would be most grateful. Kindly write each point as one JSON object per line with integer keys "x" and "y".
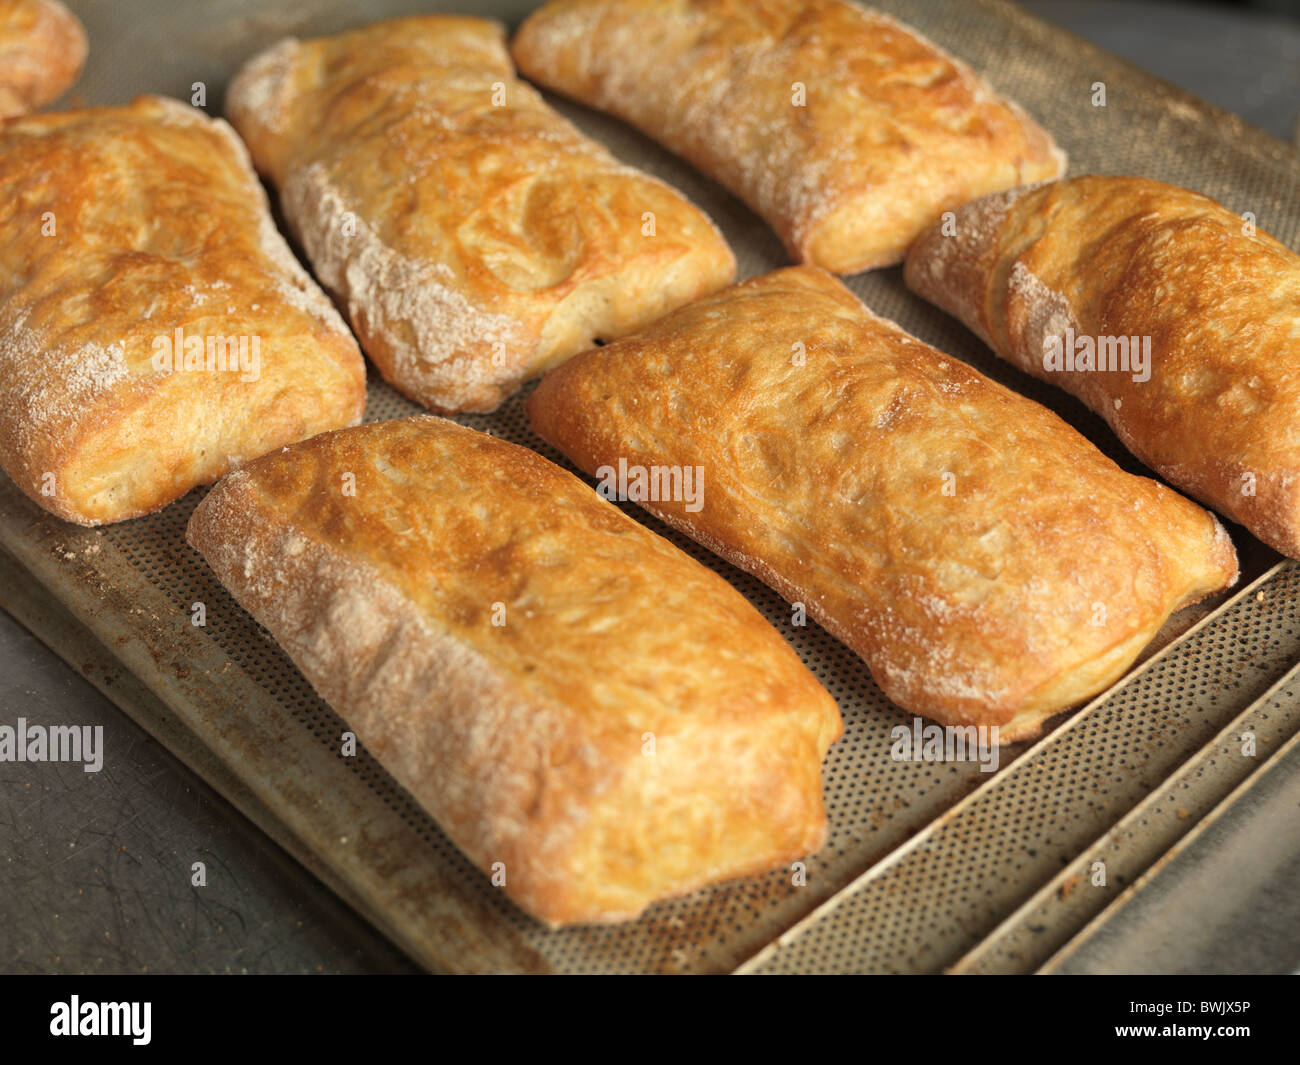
{"x": 929, "y": 865}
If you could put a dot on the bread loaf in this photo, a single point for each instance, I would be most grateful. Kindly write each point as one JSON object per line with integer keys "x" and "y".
{"x": 1173, "y": 318}
{"x": 844, "y": 129}
{"x": 474, "y": 236}
{"x": 155, "y": 329}
{"x": 568, "y": 694}
{"x": 990, "y": 565}
{"x": 42, "y": 49}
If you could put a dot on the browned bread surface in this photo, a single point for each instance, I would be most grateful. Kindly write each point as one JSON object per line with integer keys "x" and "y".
{"x": 841, "y": 127}
{"x": 123, "y": 226}
{"x": 475, "y": 237}
{"x": 989, "y": 564}
{"x": 631, "y": 729}
{"x": 1106, "y": 258}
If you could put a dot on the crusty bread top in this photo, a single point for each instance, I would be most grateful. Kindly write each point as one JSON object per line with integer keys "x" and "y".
{"x": 1135, "y": 258}
{"x": 957, "y": 535}
{"x": 121, "y": 226}
{"x": 566, "y": 692}
{"x": 458, "y": 520}
{"x": 42, "y": 49}
{"x": 474, "y": 235}
{"x": 892, "y": 132}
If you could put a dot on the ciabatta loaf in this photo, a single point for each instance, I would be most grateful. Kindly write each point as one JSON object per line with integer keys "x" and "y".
{"x": 155, "y": 329}
{"x": 990, "y": 565}
{"x": 475, "y": 237}
{"x": 588, "y": 712}
{"x": 844, "y": 129}
{"x": 42, "y": 49}
{"x": 1173, "y": 318}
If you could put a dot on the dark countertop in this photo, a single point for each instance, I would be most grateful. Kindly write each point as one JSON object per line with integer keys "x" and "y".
{"x": 1243, "y": 60}
{"x": 95, "y": 875}
{"x": 96, "y": 870}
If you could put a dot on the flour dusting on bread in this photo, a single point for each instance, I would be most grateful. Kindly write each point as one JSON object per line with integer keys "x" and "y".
{"x": 1046, "y": 313}
{"x": 47, "y": 406}
{"x": 438, "y": 342}
{"x": 260, "y": 90}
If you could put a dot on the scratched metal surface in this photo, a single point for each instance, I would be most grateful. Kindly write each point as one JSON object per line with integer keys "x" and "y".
{"x": 96, "y": 868}
{"x": 234, "y": 691}
{"x": 1254, "y": 928}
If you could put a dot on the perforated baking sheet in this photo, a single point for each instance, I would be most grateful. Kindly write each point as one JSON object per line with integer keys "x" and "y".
{"x": 928, "y": 864}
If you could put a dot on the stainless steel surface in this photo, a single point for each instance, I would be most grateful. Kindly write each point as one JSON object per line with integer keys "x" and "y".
{"x": 1184, "y": 915}
{"x": 924, "y": 860}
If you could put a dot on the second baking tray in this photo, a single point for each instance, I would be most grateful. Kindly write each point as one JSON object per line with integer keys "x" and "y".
{"x": 929, "y": 864}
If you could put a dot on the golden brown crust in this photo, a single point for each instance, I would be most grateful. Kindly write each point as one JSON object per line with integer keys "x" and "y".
{"x": 989, "y": 564}
{"x": 1128, "y": 257}
{"x": 475, "y": 237}
{"x": 891, "y": 132}
{"x": 42, "y": 50}
{"x": 122, "y": 226}
{"x": 527, "y": 740}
